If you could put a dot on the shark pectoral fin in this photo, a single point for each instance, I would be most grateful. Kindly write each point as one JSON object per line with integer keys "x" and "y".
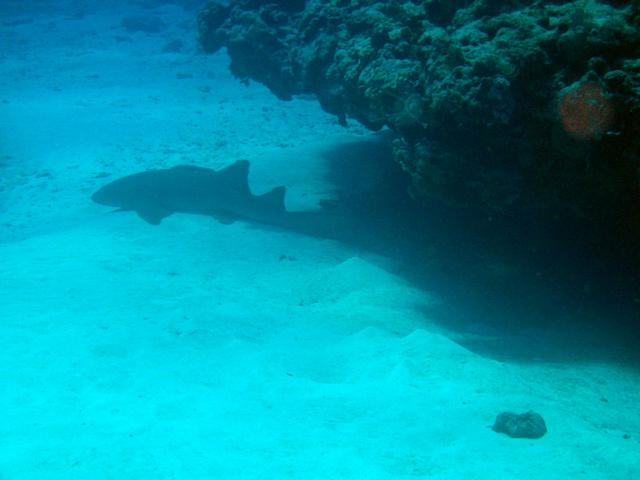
{"x": 152, "y": 214}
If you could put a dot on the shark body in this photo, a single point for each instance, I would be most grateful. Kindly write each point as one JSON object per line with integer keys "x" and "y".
{"x": 223, "y": 194}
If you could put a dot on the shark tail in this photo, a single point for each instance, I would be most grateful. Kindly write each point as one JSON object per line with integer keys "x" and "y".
{"x": 273, "y": 199}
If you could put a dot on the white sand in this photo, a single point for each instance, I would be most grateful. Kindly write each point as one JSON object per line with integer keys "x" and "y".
{"x": 191, "y": 350}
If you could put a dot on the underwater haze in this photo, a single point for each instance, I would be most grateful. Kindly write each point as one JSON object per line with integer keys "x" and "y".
{"x": 169, "y": 311}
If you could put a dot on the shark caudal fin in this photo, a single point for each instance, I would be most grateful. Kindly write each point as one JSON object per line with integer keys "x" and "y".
{"x": 273, "y": 200}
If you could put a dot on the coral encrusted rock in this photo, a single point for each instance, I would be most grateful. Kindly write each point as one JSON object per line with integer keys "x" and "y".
{"x": 513, "y": 106}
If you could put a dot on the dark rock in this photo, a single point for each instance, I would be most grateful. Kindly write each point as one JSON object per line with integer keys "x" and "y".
{"x": 525, "y": 425}
{"x": 211, "y": 17}
{"x": 143, "y": 23}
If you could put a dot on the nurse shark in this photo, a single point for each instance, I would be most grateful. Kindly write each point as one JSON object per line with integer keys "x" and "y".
{"x": 223, "y": 194}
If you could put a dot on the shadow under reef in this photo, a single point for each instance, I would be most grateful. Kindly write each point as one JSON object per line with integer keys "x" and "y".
{"x": 512, "y": 288}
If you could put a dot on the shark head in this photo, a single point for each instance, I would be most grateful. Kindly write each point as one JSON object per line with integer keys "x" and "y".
{"x": 106, "y": 196}
{"x": 120, "y": 193}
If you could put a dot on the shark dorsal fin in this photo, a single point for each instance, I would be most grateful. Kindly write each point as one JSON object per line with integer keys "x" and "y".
{"x": 194, "y": 168}
{"x": 236, "y": 174}
{"x": 273, "y": 199}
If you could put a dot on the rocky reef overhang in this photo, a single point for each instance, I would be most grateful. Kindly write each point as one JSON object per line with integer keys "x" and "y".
{"x": 520, "y": 106}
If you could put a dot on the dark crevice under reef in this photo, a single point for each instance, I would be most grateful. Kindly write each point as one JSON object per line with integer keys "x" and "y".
{"x": 517, "y": 288}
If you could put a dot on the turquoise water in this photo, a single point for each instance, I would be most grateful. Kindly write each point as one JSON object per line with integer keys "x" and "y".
{"x": 201, "y": 349}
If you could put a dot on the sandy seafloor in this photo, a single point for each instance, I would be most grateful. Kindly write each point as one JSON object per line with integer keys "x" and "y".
{"x": 195, "y": 350}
